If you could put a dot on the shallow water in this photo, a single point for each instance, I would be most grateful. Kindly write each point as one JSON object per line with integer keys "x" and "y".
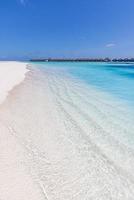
{"x": 77, "y": 134}
{"x": 116, "y": 79}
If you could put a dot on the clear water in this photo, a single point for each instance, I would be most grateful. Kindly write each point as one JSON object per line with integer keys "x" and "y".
{"x": 115, "y": 79}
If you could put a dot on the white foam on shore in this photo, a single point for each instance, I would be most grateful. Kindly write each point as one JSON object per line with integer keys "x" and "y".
{"x": 11, "y": 74}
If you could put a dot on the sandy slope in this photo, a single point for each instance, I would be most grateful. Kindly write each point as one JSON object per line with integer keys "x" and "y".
{"x": 15, "y": 182}
{"x": 11, "y": 74}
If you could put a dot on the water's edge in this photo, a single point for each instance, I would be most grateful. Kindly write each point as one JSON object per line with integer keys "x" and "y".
{"x": 69, "y": 139}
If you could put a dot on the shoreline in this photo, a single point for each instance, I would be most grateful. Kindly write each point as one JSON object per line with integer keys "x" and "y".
{"x": 16, "y": 180}
{"x": 58, "y": 138}
{"x": 12, "y": 73}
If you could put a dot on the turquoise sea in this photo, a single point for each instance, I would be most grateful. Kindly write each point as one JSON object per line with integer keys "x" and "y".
{"x": 102, "y": 92}
{"x": 117, "y": 79}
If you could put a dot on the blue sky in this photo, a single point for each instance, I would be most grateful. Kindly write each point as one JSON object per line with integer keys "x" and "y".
{"x": 66, "y": 28}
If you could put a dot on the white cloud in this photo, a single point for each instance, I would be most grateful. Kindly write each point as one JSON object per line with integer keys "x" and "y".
{"x": 110, "y": 45}
{"x": 22, "y": 2}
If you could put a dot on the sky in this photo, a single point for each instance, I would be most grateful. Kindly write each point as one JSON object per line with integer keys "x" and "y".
{"x": 66, "y": 28}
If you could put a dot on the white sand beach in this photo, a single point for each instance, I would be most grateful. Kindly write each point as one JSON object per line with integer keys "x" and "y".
{"x": 59, "y": 140}
{"x": 15, "y": 183}
{"x": 11, "y": 74}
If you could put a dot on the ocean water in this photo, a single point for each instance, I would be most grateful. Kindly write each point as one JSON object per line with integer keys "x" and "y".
{"x": 113, "y": 82}
{"x": 74, "y": 124}
{"x": 116, "y": 79}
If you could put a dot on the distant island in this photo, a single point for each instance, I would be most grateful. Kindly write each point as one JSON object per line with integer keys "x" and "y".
{"x": 82, "y": 60}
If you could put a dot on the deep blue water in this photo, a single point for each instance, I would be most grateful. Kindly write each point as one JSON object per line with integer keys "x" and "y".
{"x": 116, "y": 79}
